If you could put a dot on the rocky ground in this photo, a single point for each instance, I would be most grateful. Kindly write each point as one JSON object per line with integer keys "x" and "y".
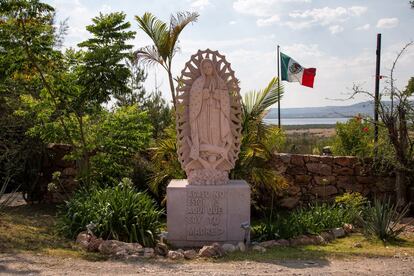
{"x": 31, "y": 264}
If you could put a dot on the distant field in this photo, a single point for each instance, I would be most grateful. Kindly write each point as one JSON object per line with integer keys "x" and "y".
{"x": 290, "y": 127}
{"x": 308, "y": 139}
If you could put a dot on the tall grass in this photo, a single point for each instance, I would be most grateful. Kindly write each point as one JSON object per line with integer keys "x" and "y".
{"x": 312, "y": 219}
{"x": 116, "y": 212}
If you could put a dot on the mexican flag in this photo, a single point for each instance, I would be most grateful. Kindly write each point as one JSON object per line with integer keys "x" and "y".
{"x": 293, "y": 71}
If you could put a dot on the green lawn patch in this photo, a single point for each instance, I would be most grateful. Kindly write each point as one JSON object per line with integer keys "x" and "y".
{"x": 31, "y": 228}
{"x": 340, "y": 248}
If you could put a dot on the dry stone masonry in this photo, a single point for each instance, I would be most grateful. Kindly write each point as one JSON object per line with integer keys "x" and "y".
{"x": 314, "y": 177}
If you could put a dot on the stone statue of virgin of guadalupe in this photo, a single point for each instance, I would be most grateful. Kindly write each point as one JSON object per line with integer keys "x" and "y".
{"x": 210, "y": 119}
{"x": 207, "y": 146}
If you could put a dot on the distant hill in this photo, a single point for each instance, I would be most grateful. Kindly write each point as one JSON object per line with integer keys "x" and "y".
{"x": 363, "y": 108}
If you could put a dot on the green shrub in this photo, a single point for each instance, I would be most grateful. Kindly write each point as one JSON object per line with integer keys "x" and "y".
{"x": 116, "y": 212}
{"x": 311, "y": 220}
{"x": 354, "y": 203}
{"x": 121, "y": 135}
{"x": 382, "y": 220}
{"x": 355, "y": 137}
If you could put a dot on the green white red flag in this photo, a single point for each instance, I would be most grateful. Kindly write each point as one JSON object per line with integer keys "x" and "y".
{"x": 292, "y": 71}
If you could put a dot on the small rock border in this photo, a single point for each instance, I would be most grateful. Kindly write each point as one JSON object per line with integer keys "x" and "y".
{"x": 132, "y": 251}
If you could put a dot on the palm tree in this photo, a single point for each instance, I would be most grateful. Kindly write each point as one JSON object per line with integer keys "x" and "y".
{"x": 165, "y": 40}
{"x": 259, "y": 143}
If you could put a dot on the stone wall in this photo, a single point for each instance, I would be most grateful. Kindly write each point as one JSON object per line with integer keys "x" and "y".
{"x": 310, "y": 177}
{"x": 54, "y": 161}
{"x": 314, "y": 177}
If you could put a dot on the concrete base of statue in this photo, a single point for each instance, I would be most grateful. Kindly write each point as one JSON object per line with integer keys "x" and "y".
{"x": 201, "y": 215}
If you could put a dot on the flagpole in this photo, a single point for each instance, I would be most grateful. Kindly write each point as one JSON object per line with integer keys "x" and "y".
{"x": 278, "y": 86}
{"x": 376, "y": 102}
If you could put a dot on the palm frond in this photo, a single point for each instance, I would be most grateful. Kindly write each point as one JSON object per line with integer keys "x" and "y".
{"x": 177, "y": 23}
{"x": 157, "y": 30}
{"x": 148, "y": 55}
{"x": 257, "y": 102}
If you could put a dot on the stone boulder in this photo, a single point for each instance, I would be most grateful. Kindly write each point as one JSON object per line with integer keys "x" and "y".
{"x": 268, "y": 244}
{"x": 209, "y": 251}
{"x": 175, "y": 255}
{"x": 327, "y": 236}
{"x": 148, "y": 252}
{"x": 301, "y": 240}
{"x": 259, "y": 248}
{"x": 94, "y": 244}
{"x": 114, "y": 247}
{"x": 338, "y": 232}
{"x": 228, "y": 248}
{"x": 161, "y": 249}
{"x": 348, "y": 228}
{"x": 83, "y": 239}
{"x": 190, "y": 254}
{"x": 282, "y": 242}
{"x": 242, "y": 246}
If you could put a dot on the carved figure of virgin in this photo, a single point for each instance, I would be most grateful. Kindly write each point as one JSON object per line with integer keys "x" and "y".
{"x": 209, "y": 115}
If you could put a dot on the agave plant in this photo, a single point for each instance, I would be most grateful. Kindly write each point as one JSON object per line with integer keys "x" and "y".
{"x": 165, "y": 38}
{"x": 260, "y": 141}
{"x": 382, "y": 220}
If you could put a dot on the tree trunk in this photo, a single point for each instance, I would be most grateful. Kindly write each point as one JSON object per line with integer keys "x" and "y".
{"x": 171, "y": 81}
{"x": 401, "y": 188}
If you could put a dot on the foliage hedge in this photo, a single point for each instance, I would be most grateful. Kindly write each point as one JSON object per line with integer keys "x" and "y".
{"x": 118, "y": 212}
{"x": 313, "y": 219}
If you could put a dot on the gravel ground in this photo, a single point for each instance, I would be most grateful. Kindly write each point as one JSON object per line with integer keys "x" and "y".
{"x": 31, "y": 264}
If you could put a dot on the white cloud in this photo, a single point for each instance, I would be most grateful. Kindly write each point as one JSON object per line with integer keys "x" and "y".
{"x": 261, "y": 8}
{"x": 299, "y": 50}
{"x": 358, "y": 10}
{"x": 267, "y": 21}
{"x": 200, "y": 4}
{"x": 387, "y": 23}
{"x": 326, "y": 16}
{"x": 232, "y": 22}
{"x": 334, "y": 29}
{"x": 363, "y": 27}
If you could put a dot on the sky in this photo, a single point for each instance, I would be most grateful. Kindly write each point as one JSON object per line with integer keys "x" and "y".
{"x": 338, "y": 38}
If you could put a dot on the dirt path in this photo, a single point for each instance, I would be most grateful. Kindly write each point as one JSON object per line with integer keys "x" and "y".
{"x": 29, "y": 264}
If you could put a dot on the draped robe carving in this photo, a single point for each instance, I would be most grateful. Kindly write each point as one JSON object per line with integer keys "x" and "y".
{"x": 209, "y": 146}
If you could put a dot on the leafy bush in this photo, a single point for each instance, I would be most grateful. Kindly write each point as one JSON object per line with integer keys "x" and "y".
{"x": 164, "y": 164}
{"x": 354, "y": 203}
{"x": 122, "y": 135}
{"x": 116, "y": 212}
{"x": 259, "y": 142}
{"x": 382, "y": 220}
{"x": 355, "y": 137}
{"x": 312, "y": 220}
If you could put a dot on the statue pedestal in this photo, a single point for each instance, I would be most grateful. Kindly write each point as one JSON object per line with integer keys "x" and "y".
{"x": 201, "y": 215}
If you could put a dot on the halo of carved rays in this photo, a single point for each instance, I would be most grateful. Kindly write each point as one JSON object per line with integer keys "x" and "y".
{"x": 189, "y": 74}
